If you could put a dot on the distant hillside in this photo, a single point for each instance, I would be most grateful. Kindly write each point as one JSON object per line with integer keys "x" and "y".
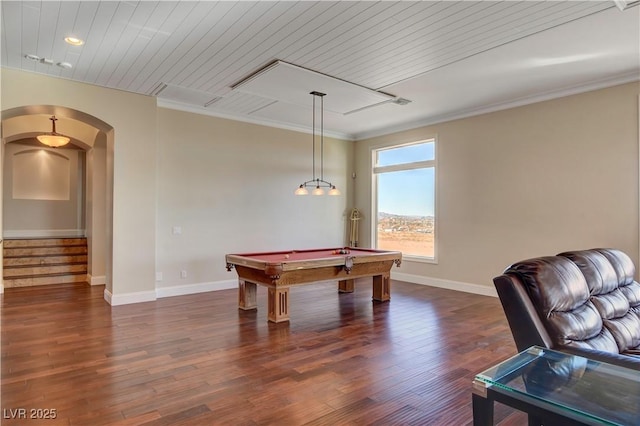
{"x": 383, "y": 215}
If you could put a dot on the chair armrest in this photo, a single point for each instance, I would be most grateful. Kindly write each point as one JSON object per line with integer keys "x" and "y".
{"x": 524, "y": 322}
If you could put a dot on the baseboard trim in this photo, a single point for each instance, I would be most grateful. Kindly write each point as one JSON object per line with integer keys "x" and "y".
{"x": 181, "y": 290}
{"x": 98, "y": 280}
{"x": 448, "y": 284}
{"x": 43, "y": 233}
{"x": 129, "y": 298}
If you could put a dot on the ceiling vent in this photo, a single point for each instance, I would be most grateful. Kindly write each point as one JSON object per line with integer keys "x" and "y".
{"x": 401, "y": 101}
{"x": 158, "y": 89}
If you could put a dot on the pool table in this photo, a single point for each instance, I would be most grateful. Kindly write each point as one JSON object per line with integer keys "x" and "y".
{"x": 279, "y": 271}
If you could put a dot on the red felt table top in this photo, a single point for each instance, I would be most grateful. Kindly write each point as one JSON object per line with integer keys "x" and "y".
{"x": 294, "y": 255}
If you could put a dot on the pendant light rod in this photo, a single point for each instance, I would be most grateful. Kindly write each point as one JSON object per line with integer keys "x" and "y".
{"x": 317, "y": 182}
{"x": 321, "y": 136}
{"x": 313, "y": 135}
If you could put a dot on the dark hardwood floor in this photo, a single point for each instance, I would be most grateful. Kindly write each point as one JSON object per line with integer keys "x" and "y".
{"x": 198, "y": 360}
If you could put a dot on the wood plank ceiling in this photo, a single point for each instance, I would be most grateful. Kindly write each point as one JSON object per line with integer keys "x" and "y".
{"x": 199, "y": 50}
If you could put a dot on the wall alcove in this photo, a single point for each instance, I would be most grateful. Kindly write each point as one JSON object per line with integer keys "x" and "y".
{"x": 65, "y": 192}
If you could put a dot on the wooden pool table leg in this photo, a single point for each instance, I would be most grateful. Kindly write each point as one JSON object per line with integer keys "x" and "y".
{"x": 247, "y": 295}
{"x": 381, "y": 287}
{"x": 345, "y": 286}
{"x": 278, "y": 304}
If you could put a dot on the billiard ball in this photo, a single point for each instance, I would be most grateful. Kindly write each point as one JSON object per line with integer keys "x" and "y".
{"x": 286, "y": 256}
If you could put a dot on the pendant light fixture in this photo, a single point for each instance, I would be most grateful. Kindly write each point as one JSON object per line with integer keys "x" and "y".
{"x": 53, "y": 139}
{"x": 317, "y": 183}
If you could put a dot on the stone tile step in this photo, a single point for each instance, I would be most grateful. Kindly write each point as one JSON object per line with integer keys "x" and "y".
{"x": 47, "y": 280}
{"x": 35, "y": 271}
{"x": 44, "y": 251}
{"x": 43, "y": 260}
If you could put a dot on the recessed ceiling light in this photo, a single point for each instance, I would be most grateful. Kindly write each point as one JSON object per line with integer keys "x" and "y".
{"x": 65, "y": 65}
{"x": 74, "y": 41}
{"x": 32, "y": 57}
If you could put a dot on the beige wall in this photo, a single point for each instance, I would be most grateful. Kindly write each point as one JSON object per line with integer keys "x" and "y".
{"x": 529, "y": 181}
{"x": 96, "y": 210}
{"x": 229, "y": 186}
{"x": 524, "y": 182}
{"x": 43, "y": 217}
{"x": 132, "y": 147}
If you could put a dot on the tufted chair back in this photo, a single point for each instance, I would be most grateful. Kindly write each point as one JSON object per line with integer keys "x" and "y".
{"x": 560, "y": 294}
{"x": 614, "y": 292}
{"x": 582, "y": 301}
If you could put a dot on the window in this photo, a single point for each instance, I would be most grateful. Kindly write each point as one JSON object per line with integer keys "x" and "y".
{"x": 404, "y": 198}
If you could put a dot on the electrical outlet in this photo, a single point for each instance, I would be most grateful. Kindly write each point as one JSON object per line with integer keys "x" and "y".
{"x": 158, "y": 276}
{"x": 176, "y": 230}
{"x": 183, "y": 274}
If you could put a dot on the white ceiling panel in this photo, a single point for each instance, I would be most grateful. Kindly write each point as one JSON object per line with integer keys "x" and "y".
{"x": 301, "y": 117}
{"x": 142, "y": 76}
{"x": 185, "y": 95}
{"x": 272, "y": 28}
{"x": 141, "y": 34}
{"x": 99, "y": 25}
{"x": 240, "y": 103}
{"x": 289, "y": 83}
{"x": 425, "y": 51}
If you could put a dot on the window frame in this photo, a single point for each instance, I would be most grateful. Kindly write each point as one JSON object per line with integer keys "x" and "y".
{"x": 376, "y": 170}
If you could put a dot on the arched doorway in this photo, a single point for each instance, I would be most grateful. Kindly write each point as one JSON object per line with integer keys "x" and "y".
{"x": 94, "y": 139}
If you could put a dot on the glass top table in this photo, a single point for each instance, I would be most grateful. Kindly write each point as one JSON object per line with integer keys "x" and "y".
{"x": 559, "y": 388}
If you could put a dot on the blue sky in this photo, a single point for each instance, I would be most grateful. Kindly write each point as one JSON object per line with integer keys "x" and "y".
{"x": 407, "y": 192}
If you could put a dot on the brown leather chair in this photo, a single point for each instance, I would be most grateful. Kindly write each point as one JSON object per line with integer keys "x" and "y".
{"x": 582, "y": 302}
